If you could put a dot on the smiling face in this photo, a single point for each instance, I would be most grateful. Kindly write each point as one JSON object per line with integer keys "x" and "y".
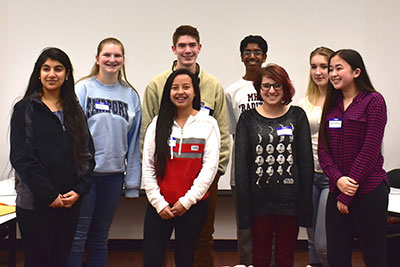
{"x": 110, "y": 59}
{"x": 341, "y": 75}
{"x": 271, "y": 92}
{"x": 319, "y": 70}
{"x": 186, "y": 50}
{"x": 182, "y": 92}
{"x": 253, "y": 57}
{"x": 52, "y": 76}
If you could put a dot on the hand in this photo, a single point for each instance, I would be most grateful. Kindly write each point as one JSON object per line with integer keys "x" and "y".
{"x": 166, "y": 213}
{"x": 70, "y": 198}
{"x": 342, "y": 208}
{"x": 57, "y": 203}
{"x": 347, "y": 185}
{"x": 178, "y": 209}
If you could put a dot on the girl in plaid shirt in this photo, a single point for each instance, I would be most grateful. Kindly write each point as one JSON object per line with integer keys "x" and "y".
{"x": 352, "y": 126}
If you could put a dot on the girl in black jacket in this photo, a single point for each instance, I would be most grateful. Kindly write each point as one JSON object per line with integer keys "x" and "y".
{"x": 274, "y": 170}
{"x": 52, "y": 154}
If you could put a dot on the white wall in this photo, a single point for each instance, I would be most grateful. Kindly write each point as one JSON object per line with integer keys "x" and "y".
{"x": 292, "y": 29}
{"x": 5, "y": 106}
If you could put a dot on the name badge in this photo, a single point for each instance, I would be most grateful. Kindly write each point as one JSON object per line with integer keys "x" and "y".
{"x": 172, "y": 142}
{"x": 286, "y": 130}
{"x": 194, "y": 148}
{"x": 335, "y": 123}
{"x": 205, "y": 109}
{"x": 102, "y": 106}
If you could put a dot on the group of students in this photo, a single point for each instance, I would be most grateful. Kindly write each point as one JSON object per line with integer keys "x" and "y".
{"x": 75, "y": 147}
{"x": 319, "y": 166}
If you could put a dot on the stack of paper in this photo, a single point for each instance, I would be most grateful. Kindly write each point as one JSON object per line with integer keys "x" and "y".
{"x": 5, "y": 209}
{"x": 7, "y": 196}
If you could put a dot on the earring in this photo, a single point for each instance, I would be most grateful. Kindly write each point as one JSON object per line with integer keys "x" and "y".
{"x": 39, "y": 78}
{"x": 66, "y": 79}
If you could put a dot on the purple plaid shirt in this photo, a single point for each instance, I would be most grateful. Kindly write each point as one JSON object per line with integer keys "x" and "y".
{"x": 355, "y": 147}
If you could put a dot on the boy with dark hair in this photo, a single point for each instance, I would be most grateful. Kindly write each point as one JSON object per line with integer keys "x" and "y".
{"x": 185, "y": 30}
{"x": 242, "y": 96}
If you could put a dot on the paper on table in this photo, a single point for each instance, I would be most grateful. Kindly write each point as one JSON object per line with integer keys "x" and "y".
{"x": 8, "y": 200}
{"x": 7, "y": 187}
{"x": 394, "y": 200}
{"x": 395, "y": 191}
{"x": 6, "y": 210}
{"x": 7, "y": 196}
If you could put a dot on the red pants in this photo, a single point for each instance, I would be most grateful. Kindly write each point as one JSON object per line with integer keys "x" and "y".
{"x": 286, "y": 230}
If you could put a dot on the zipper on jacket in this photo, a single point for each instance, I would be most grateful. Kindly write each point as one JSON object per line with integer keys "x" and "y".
{"x": 172, "y": 143}
{"x": 64, "y": 129}
{"x": 52, "y": 114}
{"x": 180, "y": 142}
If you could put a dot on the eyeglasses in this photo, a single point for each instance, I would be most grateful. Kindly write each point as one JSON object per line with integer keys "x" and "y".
{"x": 267, "y": 86}
{"x": 254, "y": 52}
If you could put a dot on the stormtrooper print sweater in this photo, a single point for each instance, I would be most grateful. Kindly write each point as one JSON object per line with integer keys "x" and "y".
{"x": 274, "y": 166}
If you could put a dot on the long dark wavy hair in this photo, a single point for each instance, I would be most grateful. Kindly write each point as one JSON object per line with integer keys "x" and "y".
{"x": 362, "y": 83}
{"x": 166, "y": 117}
{"x": 74, "y": 119}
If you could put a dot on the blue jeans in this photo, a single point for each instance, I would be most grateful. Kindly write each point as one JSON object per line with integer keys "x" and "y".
{"x": 96, "y": 215}
{"x": 317, "y": 250}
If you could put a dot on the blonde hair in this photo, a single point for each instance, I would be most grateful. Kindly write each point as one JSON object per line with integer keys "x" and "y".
{"x": 122, "y": 73}
{"x": 312, "y": 90}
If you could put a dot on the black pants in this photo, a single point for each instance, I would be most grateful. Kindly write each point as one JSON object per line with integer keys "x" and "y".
{"x": 366, "y": 220}
{"x": 157, "y": 233}
{"x": 393, "y": 245}
{"x": 47, "y": 235}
